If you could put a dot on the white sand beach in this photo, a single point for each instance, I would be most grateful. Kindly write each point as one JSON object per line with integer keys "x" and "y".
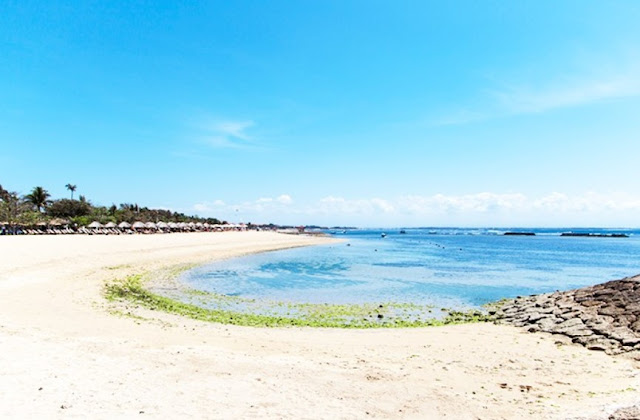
{"x": 64, "y": 355}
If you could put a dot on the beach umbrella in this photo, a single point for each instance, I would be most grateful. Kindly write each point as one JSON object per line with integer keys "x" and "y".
{"x": 110, "y": 225}
{"x": 150, "y": 225}
{"x": 58, "y": 222}
{"x": 95, "y": 225}
{"x": 191, "y": 224}
{"x": 138, "y": 225}
{"x": 162, "y": 225}
{"x": 124, "y": 225}
{"x": 173, "y": 225}
{"x": 199, "y": 224}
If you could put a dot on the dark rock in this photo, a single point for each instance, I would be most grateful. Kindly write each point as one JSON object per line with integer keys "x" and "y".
{"x": 591, "y": 303}
{"x": 536, "y": 316}
{"x": 578, "y": 332}
{"x": 611, "y": 310}
{"x": 547, "y": 309}
{"x": 569, "y": 324}
{"x": 630, "y": 340}
{"x": 605, "y": 317}
{"x": 604, "y": 293}
{"x": 600, "y": 329}
{"x": 570, "y": 315}
{"x": 598, "y": 345}
{"x": 627, "y": 413}
{"x": 546, "y": 324}
{"x": 634, "y": 308}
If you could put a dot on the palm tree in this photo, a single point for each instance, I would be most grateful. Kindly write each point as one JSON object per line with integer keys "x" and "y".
{"x": 39, "y": 197}
{"x": 71, "y": 188}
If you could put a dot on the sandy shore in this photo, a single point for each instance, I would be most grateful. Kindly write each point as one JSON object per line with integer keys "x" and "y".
{"x": 63, "y": 354}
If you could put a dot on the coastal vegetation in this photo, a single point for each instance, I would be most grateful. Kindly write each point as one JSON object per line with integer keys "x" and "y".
{"x": 37, "y": 208}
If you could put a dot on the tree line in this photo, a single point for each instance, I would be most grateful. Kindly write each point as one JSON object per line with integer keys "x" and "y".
{"x": 37, "y": 207}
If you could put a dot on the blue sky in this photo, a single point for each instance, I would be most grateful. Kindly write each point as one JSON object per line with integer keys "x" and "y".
{"x": 367, "y": 113}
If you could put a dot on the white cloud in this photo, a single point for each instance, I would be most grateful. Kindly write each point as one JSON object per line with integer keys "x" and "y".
{"x": 284, "y": 199}
{"x": 590, "y": 202}
{"x": 383, "y": 205}
{"x": 481, "y": 202}
{"x": 481, "y": 209}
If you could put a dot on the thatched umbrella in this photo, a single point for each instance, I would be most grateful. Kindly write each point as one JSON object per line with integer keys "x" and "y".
{"x": 150, "y": 225}
{"x": 110, "y": 225}
{"x": 95, "y": 225}
{"x": 162, "y": 225}
{"x": 58, "y": 222}
{"x": 138, "y": 225}
{"x": 124, "y": 225}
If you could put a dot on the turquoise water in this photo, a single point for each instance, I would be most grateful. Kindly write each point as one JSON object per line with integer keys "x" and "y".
{"x": 443, "y": 267}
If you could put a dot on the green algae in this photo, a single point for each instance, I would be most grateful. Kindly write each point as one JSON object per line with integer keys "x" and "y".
{"x": 218, "y": 308}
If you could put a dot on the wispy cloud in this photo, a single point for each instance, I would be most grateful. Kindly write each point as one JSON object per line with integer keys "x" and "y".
{"x": 534, "y": 99}
{"x": 580, "y": 88}
{"x": 235, "y": 129}
{"x": 228, "y": 134}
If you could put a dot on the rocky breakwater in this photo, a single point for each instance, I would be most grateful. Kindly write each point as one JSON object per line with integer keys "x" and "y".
{"x": 604, "y": 317}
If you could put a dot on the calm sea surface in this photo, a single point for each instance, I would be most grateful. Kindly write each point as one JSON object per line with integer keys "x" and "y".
{"x": 444, "y": 267}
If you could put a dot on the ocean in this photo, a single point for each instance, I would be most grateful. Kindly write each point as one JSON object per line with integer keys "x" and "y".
{"x": 443, "y": 267}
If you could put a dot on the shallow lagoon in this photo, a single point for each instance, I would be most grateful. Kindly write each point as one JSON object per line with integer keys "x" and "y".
{"x": 453, "y": 268}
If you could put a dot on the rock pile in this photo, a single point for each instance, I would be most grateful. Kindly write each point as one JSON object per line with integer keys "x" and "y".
{"x": 627, "y": 413}
{"x": 604, "y": 317}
